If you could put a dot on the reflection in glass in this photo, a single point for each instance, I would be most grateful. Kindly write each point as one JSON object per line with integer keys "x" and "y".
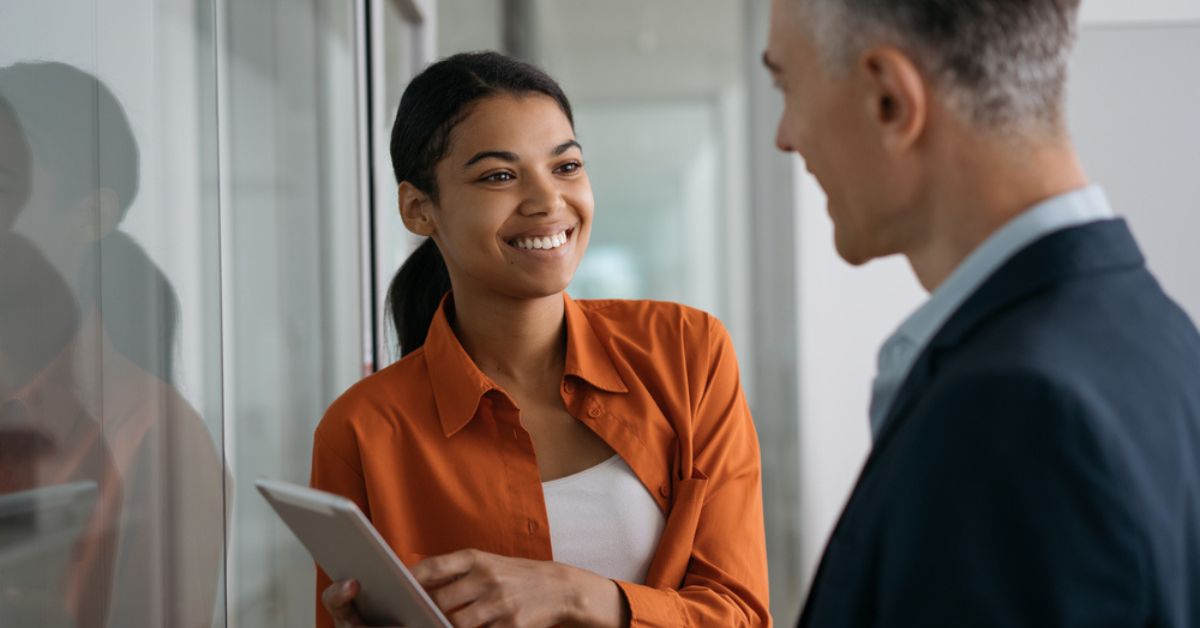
{"x": 88, "y": 327}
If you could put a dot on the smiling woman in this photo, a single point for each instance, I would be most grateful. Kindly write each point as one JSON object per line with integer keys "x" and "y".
{"x": 539, "y": 460}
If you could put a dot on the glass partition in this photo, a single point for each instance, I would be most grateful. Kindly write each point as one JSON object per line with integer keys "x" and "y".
{"x": 112, "y": 500}
{"x": 180, "y": 299}
{"x": 400, "y": 47}
{"x": 292, "y": 296}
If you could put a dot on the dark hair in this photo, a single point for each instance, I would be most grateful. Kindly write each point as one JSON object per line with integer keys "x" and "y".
{"x": 433, "y": 104}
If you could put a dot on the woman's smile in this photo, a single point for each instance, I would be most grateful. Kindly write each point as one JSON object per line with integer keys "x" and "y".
{"x": 544, "y": 243}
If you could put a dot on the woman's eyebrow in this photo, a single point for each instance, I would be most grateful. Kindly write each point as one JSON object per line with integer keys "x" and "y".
{"x": 565, "y": 146}
{"x": 504, "y": 155}
{"x": 512, "y": 157}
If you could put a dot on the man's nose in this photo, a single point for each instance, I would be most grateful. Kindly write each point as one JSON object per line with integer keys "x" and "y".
{"x": 781, "y": 141}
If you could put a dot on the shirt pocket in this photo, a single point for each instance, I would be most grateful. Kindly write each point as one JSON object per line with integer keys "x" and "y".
{"x": 670, "y": 562}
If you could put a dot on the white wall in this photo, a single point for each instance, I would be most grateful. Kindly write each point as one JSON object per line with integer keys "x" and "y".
{"x": 1128, "y": 12}
{"x": 1131, "y": 105}
{"x": 1133, "y": 84}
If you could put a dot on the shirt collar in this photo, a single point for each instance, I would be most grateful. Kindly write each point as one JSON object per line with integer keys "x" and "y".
{"x": 587, "y": 358}
{"x": 1060, "y": 212}
{"x": 458, "y": 384}
{"x": 900, "y": 351}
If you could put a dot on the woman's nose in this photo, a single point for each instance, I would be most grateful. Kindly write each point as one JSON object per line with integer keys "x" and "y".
{"x": 543, "y": 196}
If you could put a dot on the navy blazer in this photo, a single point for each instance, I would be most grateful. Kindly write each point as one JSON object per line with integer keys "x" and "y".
{"x": 1040, "y": 464}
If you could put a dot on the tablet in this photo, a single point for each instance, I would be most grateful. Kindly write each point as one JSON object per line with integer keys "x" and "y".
{"x": 346, "y": 545}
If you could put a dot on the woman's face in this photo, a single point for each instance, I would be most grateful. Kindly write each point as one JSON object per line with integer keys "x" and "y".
{"x": 514, "y": 206}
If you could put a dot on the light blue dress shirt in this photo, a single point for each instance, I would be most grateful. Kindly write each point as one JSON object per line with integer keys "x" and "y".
{"x": 900, "y": 351}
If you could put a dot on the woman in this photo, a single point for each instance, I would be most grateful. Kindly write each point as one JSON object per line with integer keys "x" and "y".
{"x": 521, "y": 427}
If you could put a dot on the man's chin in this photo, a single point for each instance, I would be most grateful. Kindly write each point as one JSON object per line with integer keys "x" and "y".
{"x": 851, "y": 251}
{"x": 855, "y": 260}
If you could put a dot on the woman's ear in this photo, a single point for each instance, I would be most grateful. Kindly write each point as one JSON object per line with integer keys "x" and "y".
{"x": 416, "y": 210}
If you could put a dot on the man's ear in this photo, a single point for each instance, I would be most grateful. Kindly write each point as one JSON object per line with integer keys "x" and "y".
{"x": 897, "y": 96}
{"x": 415, "y": 210}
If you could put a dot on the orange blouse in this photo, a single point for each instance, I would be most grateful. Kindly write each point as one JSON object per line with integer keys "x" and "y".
{"x": 434, "y": 454}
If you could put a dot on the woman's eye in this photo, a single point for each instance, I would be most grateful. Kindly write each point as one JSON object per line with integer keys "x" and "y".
{"x": 498, "y": 177}
{"x": 570, "y": 167}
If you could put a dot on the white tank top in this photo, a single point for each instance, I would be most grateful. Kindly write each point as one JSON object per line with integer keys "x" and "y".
{"x": 604, "y": 520}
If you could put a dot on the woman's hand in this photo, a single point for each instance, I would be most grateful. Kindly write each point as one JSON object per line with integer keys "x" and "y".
{"x": 338, "y": 599}
{"x": 474, "y": 588}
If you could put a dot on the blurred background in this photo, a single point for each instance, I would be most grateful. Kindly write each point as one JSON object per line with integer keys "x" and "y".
{"x": 197, "y": 229}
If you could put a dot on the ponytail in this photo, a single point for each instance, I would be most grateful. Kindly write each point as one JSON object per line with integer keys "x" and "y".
{"x": 415, "y": 293}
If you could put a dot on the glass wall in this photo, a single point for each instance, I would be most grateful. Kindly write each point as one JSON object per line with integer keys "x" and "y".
{"x": 291, "y": 294}
{"x": 112, "y": 474}
{"x": 180, "y": 299}
{"x": 400, "y": 45}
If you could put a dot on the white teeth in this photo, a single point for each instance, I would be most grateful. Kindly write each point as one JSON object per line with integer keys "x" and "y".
{"x": 542, "y": 243}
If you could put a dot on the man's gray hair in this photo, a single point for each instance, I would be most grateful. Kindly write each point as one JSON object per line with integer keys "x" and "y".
{"x": 1001, "y": 63}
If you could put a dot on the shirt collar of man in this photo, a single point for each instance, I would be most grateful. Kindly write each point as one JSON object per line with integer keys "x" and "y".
{"x": 898, "y": 354}
{"x": 458, "y": 384}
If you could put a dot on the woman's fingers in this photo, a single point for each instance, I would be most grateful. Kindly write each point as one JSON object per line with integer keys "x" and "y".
{"x": 338, "y": 599}
{"x": 475, "y": 588}
{"x": 460, "y": 592}
{"x": 439, "y": 570}
{"x": 496, "y": 609}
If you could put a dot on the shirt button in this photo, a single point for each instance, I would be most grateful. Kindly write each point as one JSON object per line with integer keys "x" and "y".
{"x": 514, "y": 434}
{"x": 663, "y": 490}
{"x": 595, "y": 412}
{"x": 532, "y": 526}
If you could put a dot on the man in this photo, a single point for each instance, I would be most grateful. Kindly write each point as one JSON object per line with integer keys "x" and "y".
{"x": 1036, "y": 423}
